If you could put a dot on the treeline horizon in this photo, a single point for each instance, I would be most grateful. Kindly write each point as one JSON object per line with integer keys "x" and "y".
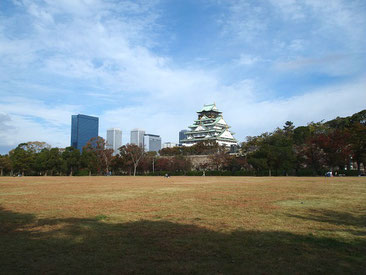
{"x": 311, "y": 150}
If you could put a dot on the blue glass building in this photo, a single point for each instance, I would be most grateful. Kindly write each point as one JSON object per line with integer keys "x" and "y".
{"x": 83, "y": 128}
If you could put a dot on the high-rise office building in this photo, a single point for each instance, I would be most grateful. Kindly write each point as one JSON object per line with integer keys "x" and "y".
{"x": 137, "y": 137}
{"x": 152, "y": 143}
{"x": 182, "y": 135}
{"x": 83, "y": 128}
{"x": 114, "y": 139}
{"x": 169, "y": 144}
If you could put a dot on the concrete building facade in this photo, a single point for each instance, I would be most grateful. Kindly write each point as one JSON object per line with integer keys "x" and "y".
{"x": 137, "y": 137}
{"x": 114, "y": 140}
{"x": 152, "y": 143}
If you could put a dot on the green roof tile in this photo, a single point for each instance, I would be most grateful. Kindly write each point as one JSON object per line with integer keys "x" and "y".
{"x": 208, "y": 108}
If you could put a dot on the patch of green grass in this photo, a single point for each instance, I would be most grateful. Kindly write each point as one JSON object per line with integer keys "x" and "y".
{"x": 101, "y": 217}
{"x": 317, "y": 203}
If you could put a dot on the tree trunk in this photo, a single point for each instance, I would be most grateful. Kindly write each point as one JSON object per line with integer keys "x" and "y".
{"x": 134, "y": 169}
{"x": 71, "y": 172}
{"x": 22, "y": 173}
{"x": 269, "y": 172}
{"x": 89, "y": 173}
{"x": 1, "y": 173}
{"x": 45, "y": 174}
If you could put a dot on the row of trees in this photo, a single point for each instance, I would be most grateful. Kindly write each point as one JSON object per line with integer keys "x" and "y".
{"x": 38, "y": 158}
{"x": 305, "y": 150}
{"x": 335, "y": 145}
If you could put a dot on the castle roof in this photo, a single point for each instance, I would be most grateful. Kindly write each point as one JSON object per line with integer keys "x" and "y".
{"x": 209, "y": 108}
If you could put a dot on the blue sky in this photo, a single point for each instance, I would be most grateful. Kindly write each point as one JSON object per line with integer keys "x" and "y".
{"x": 152, "y": 64}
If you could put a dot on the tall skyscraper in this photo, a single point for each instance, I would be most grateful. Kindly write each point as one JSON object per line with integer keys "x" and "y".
{"x": 182, "y": 135}
{"x": 83, "y": 128}
{"x": 137, "y": 137}
{"x": 152, "y": 143}
{"x": 114, "y": 139}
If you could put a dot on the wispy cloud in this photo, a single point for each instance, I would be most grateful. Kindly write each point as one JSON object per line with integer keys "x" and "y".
{"x": 105, "y": 58}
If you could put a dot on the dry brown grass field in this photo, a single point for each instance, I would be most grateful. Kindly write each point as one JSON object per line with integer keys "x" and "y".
{"x": 199, "y": 225}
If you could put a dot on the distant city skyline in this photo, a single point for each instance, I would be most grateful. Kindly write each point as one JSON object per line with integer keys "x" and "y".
{"x": 153, "y": 64}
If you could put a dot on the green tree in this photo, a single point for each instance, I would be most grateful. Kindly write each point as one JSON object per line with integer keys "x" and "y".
{"x": 5, "y": 164}
{"x": 71, "y": 160}
{"x": 22, "y": 159}
{"x": 89, "y": 160}
{"x": 358, "y": 144}
{"x": 42, "y": 164}
{"x": 272, "y": 151}
{"x": 55, "y": 161}
{"x": 133, "y": 154}
{"x": 36, "y": 146}
{"x": 288, "y": 128}
{"x": 255, "y": 152}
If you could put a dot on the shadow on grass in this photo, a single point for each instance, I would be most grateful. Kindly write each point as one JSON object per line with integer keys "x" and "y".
{"x": 337, "y": 218}
{"x": 30, "y": 245}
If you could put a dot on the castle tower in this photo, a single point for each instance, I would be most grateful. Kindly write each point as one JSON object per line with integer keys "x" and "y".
{"x": 209, "y": 126}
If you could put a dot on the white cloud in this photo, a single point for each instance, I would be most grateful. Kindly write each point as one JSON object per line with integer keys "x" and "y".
{"x": 98, "y": 58}
{"x": 248, "y": 60}
{"x": 55, "y": 115}
{"x": 332, "y": 65}
{"x": 24, "y": 129}
{"x": 315, "y": 105}
{"x": 297, "y": 45}
{"x": 291, "y": 9}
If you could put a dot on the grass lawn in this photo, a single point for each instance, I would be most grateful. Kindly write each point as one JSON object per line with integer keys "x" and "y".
{"x": 200, "y": 225}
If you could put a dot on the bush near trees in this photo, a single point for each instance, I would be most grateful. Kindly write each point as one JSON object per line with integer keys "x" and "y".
{"x": 304, "y": 151}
